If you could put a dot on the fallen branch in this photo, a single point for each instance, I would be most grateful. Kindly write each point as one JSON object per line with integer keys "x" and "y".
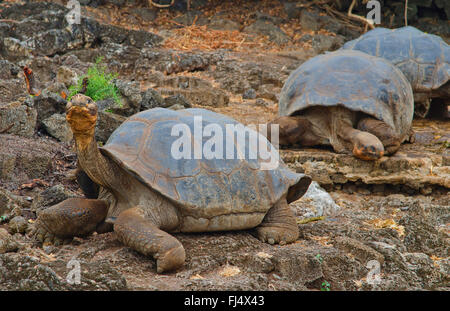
{"x": 161, "y": 6}
{"x": 343, "y": 17}
{"x": 368, "y": 22}
{"x": 406, "y": 12}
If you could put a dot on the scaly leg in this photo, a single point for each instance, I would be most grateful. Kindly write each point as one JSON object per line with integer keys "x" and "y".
{"x": 70, "y": 218}
{"x": 384, "y": 132}
{"x": 279, "y": 225}
{"x": 139, "y": 233}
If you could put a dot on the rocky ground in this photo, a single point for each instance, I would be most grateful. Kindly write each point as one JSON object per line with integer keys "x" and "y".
{"x": 392, "y": 215}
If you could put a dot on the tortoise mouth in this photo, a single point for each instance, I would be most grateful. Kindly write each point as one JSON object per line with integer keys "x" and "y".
{"x": 81, "y": 119}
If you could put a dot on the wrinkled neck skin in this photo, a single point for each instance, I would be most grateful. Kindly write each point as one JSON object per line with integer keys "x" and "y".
{"x": 91, "y": 160}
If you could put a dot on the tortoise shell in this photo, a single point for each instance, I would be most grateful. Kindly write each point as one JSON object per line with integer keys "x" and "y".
{"x": 352, "y": 79}
{"x": 201, "y": 187}
{"x": 423, "y": 58}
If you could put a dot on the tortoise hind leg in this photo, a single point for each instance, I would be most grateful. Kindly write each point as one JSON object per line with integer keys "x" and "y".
{"x": 383, "y": 132}
{"x": 292, "y": 129}
{"x": 279, "y": 225}
{"x": 70, "y": 218}
{"x": 142, "y": 235}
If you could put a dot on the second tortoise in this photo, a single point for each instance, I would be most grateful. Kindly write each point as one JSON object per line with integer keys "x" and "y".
{"x": 357, "y": 103}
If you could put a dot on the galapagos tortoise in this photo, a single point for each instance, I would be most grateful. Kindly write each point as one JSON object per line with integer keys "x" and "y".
{"x": 423, "y": 58}
{"x": 355, "y": 102}
{"x": 147, "y": 189}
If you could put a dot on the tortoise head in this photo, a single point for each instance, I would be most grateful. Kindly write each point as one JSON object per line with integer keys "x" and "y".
{"x": 81, "y": 114}
{"x": 367, "y": 146}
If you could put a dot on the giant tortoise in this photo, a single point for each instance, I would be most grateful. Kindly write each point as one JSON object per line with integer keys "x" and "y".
{"x": 423, "y": 58}
{"x": 355, "y": 102}
{"x": 147, "y": 190}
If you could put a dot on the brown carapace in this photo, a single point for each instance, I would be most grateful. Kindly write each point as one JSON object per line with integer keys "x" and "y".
{"x": 29, "y": 79}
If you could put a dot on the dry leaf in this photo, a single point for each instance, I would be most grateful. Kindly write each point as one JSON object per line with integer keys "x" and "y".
{"x": 229, "y": 271}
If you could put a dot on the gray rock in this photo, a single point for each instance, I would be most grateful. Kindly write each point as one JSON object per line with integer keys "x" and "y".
{"x": 57, "y": 127}
{"x": 107, "y": 122}
{"x": 53, "y": 41}
{"x": 269, "y": 18}
{"x": 47, "y": 104}
{"x": 67, "y": 76}
{"x": 322, "y": 43}
{"x": 310, "y": 20}
{"x": 187, "y": 62}
{"x": 316, "y": 202}
{"x": 249, "y": 94}
{"x": 19, "y": 272}
{"x": 292, "y": 10}
{"x": 189, "y": 17}
{"x": 218, "y": 23}
{"x": 421, "y": 236}
{"x": 8, "y": 70}
{"x": 177, "y": 100}
{"x": 17, "y": 118}
{"x": 151, "y": 99}
{"x": 33, "y": 156}
{"x": 176, "y": 107}
{"x": 106, "y": 104}
{"x": 145, "y": 14}
{"x": 17, "y": 225}
{"x": 14, "y": 48}
{"x": 362, "y": 252}
{"x": 58, "y": 88}
{"x": 268, "y": 91}
{"x": 50, "y": 197}
{"x": 131, "y": 97}
{"x": 265, "y": 28}
{"x": 7, "y": 200}
{"x": 7, "y": 243}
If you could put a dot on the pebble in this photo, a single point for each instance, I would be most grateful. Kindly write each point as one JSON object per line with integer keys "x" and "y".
{"x": 18, "y": 225}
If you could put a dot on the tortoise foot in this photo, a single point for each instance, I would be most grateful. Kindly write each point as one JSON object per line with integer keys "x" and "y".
{"x": 171, "y": 259}
{"x": 279, "y": 225}
{"x": 43, "y": 235}
{"x": 275, "y": 235}
{"x": 136, "y": 231}
{"x": 70, "y": 218}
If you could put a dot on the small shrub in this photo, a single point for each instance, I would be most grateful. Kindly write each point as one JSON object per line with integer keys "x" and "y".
{"x": 100, "y": 85}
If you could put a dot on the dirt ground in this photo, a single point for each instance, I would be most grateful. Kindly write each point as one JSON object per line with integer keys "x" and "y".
{"x": 393, "y": 212}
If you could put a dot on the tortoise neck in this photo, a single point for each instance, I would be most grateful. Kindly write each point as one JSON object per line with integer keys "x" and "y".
{"x": 92, "y": 161}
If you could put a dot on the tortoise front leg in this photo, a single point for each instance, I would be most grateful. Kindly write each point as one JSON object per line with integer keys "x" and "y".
{"x": 142, "y": 235}
{"x": 384, "y": 132}
{"x": 279, "y": 225}
{"x": 70, "y": 218}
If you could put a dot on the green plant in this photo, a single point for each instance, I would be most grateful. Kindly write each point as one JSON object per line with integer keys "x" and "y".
{"x": 325, "y": 287}
{"x": 319, "y": 258}
{"x": 100, "y": 85}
